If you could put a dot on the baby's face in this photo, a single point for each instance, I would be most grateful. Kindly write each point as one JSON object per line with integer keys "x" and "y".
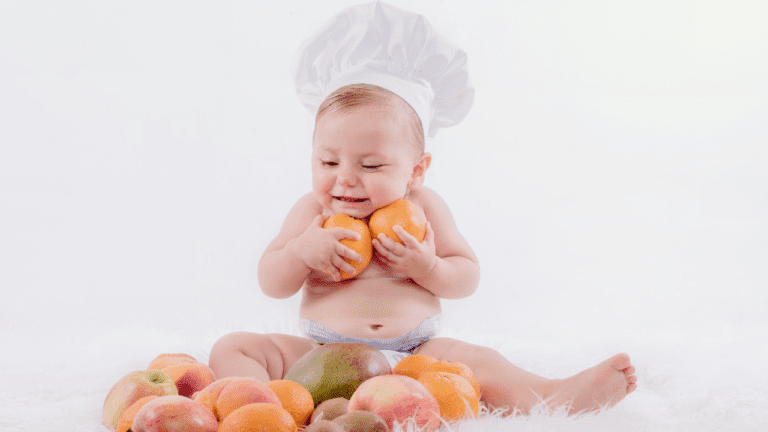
{"x": 362, "y": 160}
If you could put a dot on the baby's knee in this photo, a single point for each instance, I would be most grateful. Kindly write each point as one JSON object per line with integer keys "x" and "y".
{"x": 456, "y": 350}
{"x": 237, "y": 343}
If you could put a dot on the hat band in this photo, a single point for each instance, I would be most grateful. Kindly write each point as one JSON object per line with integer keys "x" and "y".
{"x": 418, "y": 95}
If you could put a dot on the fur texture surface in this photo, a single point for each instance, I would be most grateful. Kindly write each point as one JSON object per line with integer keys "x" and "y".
{"x": 688, "y": 380}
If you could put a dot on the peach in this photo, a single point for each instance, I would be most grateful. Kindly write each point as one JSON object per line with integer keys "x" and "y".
{"x": 236, "y": 392}
{"x": 133, "y": 387}
{"x": 190, "y": 377}
{"x": 210, "y": 393}
{"x": 174, "y": 414}
{"x": 396, "y": 399}
{"x": 165, "y": 360}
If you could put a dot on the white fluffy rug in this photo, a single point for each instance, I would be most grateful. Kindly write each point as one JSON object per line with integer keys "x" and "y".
{"x": 56, "y": 380}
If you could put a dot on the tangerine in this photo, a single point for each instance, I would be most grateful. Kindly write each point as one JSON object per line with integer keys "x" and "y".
{"x": 457, "y": 368}
{"x": 364, "y": 246}
{"x": 413, "y": 365}
{"x": 455, "y": 396}
{"x": 401, "y": 212}
{"x": 125, "y": 421}
{"x": 258, "y": 417}
{"x": 296, "y": 399}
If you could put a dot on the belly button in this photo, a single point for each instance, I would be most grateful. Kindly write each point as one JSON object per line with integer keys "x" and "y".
{"x": 375, "y": 327}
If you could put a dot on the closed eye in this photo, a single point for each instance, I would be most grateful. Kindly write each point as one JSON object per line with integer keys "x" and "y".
{"x": 371, "y": 167}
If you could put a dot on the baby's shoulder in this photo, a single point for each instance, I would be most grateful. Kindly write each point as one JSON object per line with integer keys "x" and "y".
{"x": 427, "y": 199}
{"x": 305, "y": 210}
{"x": 309, "y": 203}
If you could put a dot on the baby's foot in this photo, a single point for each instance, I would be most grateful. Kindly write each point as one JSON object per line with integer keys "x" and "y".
{"x": 603, "y": 385}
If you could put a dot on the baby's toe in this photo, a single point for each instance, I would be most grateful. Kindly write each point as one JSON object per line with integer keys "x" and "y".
{"x": 629, "y": 371}
{"x": 620, "y": 361}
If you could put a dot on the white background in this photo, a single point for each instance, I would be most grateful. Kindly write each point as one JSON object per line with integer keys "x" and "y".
{"x": 611, "y": 175}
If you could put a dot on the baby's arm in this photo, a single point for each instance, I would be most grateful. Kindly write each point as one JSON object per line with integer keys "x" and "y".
{"x": 443, "y": 263}
{"x": 302, "y": 245}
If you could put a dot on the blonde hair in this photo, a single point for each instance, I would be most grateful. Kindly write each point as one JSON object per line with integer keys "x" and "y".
{"x": 356, "y": 95}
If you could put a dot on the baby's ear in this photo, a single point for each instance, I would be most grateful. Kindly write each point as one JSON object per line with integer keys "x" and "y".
{"x": 417, "y": 179}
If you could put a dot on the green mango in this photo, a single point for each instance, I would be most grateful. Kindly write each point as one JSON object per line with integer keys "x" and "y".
{"x": 336, "y": 369}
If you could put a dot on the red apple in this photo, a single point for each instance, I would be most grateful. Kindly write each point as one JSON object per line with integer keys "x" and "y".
{"x": 190, "y": 377}
{"x": 174, "y": 414}
{"x": 397, "y": 398}
{"x": 132, "y": 387}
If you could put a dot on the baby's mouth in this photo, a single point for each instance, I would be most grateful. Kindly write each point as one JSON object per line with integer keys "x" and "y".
{"x": 350, "y": 199}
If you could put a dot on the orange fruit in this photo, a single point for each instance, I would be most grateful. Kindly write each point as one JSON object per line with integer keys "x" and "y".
{"x": 296, "y": 399}
{"x": 413, "y": 365}
{"x": 125, "y": 421}
{"x": 455, "y": 395}
{"x": 401, "y": 212}
{"x": 364, "y": 246}
{"x": 164, "y": 360}
{"x": 258, "y": 417}
{"x": 457, "y": 368}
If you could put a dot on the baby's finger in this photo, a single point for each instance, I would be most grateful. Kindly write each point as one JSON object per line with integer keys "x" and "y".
{"x": 343, "y": 233}
{"x": 406, "y": 237}
{"x": 343, "y": 265}
{"x": 333, "y": 272}
{"x": 383, "y": 258}
{"x": 384, "y": 251}
{"x": 319, "y": 220}
{"x": 387, "y": 242}
{"x": 377, "y": 246}
{"x": 346, "y": 252}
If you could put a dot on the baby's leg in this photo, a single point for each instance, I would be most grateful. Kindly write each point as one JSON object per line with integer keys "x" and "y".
{"x": 505, "y": 385}
{"x": 265, "y": 357}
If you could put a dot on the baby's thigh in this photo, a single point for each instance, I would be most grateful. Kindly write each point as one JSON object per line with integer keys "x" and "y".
{"x": 275, "y": 352}
{"x": 475, "y": 356}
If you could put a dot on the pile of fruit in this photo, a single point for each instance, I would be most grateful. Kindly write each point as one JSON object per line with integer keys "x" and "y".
{"x": 338, "y": 387}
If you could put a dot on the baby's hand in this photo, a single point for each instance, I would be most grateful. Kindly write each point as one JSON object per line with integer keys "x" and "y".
{"x": 413, "y": 259}
{"x": 321, "y": 250}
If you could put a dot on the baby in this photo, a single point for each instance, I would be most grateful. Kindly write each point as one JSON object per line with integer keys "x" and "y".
{"x": 368, "y": 150}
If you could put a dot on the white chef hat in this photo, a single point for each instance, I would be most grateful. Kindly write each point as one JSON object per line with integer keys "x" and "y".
{"x": 375, "y": 43}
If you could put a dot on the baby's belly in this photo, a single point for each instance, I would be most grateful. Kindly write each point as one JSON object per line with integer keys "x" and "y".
{"x": 369, "y": 308}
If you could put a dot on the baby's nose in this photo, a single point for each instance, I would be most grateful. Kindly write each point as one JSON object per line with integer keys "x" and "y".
{"x": 347, "y": 177}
